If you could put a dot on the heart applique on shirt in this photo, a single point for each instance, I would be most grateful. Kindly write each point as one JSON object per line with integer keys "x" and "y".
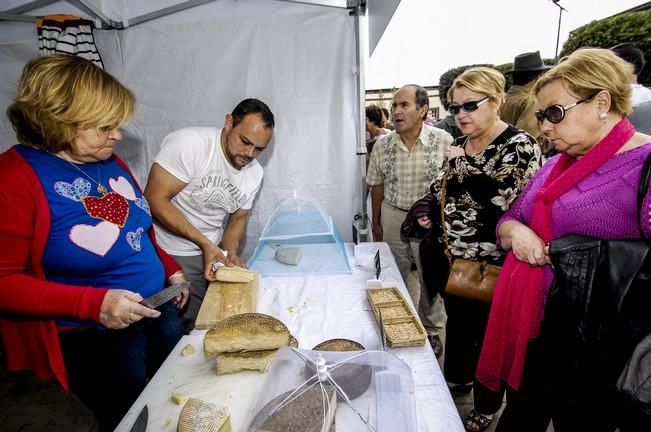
{"x": 75, "y": 191}
{"x": 133, "y": 238}
{"x": 111, "y": 207}
{"x": 143, "y": 204}
{"x": 97, "y": 239}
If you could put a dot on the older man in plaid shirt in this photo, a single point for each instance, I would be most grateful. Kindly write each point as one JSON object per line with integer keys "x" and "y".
{"x": 403, "y": 165}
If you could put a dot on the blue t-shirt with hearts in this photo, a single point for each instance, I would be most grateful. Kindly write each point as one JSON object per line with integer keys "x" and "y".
{"x": 98, "y": 237}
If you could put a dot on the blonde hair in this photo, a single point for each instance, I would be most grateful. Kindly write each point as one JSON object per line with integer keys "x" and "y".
{"x": 587, "y": 71}
{"x": 484, "y": 80}
{"x": 61, "y": 94}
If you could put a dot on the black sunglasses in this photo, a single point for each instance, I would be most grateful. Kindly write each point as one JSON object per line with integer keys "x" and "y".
{"x": 469, "y": 106}
{"x": 555, "y": 113}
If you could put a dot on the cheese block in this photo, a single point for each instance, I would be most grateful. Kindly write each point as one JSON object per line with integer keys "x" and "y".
{"x": 241, "y": 361}
{"x": 289, "y": 255}
{"x": 202, "y": 416}
{"x": 246, "y": 332}
{"x": 234, "y": 274}
{"x": 311, "y": 410}
{"x": 247, "y": 360}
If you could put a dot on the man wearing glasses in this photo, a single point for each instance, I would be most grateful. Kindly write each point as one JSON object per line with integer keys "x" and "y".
{"x": 403, "y": 164}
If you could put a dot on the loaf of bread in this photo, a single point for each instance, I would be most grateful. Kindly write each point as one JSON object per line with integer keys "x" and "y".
{"x": 307, "y": 410}
{"x": 246, "y": 332}
{"x": 202, "y": 416}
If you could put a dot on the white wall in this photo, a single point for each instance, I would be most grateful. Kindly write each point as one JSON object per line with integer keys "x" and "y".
{"x": 193, "y": 72}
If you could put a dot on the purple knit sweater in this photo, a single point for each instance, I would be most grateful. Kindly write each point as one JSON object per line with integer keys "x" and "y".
{"x": 603, "y": 205}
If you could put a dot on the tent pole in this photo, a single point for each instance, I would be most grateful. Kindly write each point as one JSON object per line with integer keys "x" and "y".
{"x": 361, "y": 232}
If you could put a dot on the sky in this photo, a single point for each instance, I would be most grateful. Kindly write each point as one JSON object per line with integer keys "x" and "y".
{"x": 425, "y": 38}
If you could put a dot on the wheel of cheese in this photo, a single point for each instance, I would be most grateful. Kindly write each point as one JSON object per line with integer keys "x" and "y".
{"x": 246, "y": 332}
{"x": 353, "y": 378}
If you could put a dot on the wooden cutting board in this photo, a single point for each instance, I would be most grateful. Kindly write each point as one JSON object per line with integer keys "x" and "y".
{"x": 224, "y": 299}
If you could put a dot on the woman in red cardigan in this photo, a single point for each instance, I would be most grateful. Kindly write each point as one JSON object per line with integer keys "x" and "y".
{"x": 79, "y": 252}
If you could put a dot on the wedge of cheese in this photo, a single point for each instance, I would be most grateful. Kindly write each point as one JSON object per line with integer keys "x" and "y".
{"x": 246, "y": 332}
{"x": 234, "y": 274}
{"x": 202, "y": 416}
{"x": 248, "y": 360}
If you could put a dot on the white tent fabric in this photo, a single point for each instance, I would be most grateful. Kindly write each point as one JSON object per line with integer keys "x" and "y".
{"x": 299, "y": 59}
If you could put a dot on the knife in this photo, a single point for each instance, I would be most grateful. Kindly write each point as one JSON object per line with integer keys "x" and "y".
{"x": 164, "y": 295}
{"x": 140, "y": 425}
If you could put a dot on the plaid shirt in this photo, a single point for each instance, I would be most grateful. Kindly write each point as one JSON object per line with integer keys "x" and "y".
{"x": 407, "y": 175}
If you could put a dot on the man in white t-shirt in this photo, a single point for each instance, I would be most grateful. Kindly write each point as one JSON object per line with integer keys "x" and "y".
{"x": 200, "y": 189}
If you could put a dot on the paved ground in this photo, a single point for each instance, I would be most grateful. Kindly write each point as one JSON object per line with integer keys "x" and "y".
{"x": 31, "y": 405}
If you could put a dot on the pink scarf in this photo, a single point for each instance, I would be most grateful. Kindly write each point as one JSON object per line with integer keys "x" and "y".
{"x": 518, "y": 303}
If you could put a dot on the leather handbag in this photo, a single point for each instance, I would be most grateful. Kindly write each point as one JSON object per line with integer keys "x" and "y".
{"x": 472, "y": 280}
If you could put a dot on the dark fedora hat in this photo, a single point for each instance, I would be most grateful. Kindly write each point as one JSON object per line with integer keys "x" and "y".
{"x": 528, "y": 62}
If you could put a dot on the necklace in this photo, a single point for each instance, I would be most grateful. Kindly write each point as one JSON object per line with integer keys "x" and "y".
{"x": 100, "y": 187}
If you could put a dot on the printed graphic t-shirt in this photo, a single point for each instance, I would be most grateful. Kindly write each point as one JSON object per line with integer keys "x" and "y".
{"x": 214, "y": 188}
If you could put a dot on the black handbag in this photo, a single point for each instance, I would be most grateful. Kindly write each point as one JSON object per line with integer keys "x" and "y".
{"x": 596, "y": 317}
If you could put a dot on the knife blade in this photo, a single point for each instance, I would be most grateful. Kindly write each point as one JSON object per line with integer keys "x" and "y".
{"x": 164, "y": 295}
{"x": 140, "y": 425}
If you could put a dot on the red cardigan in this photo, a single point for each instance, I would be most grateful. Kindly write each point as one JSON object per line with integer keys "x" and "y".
{"x": 29, "y": 304}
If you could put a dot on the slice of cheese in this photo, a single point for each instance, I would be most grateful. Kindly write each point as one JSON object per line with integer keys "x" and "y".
{"x": 202, "y": 416}
{"x": 289, "y": 255}
{"x": 246, "y": 332}
{"x": 234, "y": 274}
{"x": 248, "y": 360}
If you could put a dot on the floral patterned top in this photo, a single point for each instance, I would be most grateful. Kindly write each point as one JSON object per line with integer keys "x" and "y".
{"x": 480, "y": 188}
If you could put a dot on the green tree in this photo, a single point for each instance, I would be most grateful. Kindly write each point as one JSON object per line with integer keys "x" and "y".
{"x": 632, "y": 27}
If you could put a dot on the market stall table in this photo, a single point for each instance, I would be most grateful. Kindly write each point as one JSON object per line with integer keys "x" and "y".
{"x": 314, "y": 308}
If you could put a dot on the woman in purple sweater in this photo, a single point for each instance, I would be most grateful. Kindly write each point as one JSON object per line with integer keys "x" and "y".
{"x": 589, "y": 189}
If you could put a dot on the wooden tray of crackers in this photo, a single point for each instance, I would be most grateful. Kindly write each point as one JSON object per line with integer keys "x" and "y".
{"x": 401, "y": 326}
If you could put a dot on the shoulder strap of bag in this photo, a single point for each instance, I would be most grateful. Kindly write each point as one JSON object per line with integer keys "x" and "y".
{"x": 444, "y": 235}
{"x": 643, "y": 189}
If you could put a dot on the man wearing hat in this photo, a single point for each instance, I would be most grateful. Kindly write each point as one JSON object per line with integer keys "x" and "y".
{"x": 519, "y": 104}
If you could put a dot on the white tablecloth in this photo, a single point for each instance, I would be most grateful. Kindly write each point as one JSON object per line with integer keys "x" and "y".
{"x": 314, "y": 308}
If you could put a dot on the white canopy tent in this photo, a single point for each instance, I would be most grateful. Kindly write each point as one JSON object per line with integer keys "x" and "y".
{"x": 190, "y": 62}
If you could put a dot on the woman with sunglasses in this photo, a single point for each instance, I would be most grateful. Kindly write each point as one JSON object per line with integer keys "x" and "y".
{"x": 487, "y": 168}
{"x": 589, "y": 189}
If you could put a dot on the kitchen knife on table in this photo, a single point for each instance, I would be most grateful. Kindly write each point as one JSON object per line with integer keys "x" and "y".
{"x": 140, "y": 425}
